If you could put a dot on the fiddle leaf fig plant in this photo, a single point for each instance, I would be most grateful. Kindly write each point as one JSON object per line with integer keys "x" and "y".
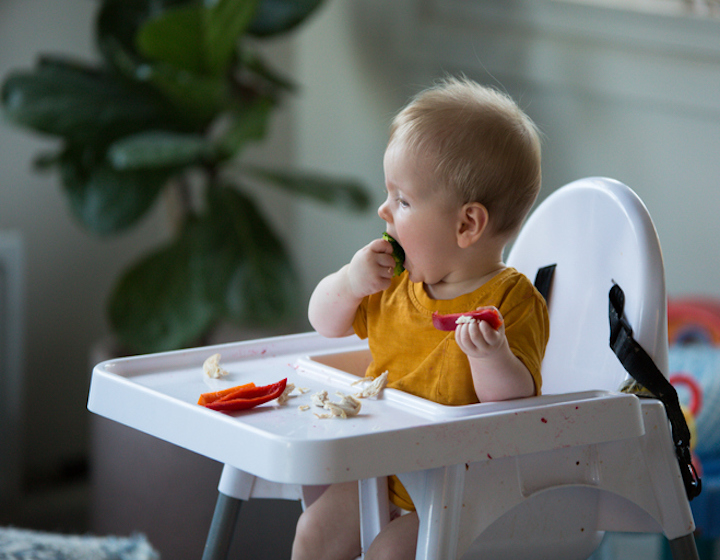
{"x": 178, "y": 93}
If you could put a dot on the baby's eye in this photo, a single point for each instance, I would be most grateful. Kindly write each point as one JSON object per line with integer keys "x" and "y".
{"x": 402, "y": 202}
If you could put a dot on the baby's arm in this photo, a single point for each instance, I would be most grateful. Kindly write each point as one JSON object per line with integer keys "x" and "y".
{"x": 497, "y": 373}
{"x": 336, "y": 298}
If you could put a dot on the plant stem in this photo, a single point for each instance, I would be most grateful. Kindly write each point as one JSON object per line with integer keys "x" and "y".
{"x": 178, "y": 198}
{"x": 184, "y": 196}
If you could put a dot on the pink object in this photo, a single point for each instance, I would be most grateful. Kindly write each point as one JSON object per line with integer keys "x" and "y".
{"x": 449, "y": 321}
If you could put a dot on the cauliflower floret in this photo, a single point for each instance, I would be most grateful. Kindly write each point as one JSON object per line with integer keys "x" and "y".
{"x": 348, "y": 406}
{"x": 211, "y": 367}
{"x": 283, "y": 398}
{"x": 319, "y": 398}
{"x": 374, "y": 388}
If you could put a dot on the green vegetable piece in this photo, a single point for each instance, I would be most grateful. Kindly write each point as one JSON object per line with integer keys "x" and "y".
{"x": 398, "y": 254}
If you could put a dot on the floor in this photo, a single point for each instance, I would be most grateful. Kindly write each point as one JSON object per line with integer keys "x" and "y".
{"x": 66, "y": 509}
{"x": 57, "y": 504}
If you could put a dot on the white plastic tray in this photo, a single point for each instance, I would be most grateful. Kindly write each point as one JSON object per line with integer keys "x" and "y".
{"x": 397, "y": 432}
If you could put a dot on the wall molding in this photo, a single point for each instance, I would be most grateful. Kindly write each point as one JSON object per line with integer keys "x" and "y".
{"x": 670, "y": 60}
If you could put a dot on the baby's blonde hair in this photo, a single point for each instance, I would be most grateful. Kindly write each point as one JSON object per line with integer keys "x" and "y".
{"x": 485, "y": 148}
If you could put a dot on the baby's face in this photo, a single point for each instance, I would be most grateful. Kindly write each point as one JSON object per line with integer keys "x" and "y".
{"x": 419, "y": 215}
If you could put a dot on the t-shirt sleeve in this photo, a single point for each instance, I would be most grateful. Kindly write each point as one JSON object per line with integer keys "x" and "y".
{"x": 360, "y": 325}
{"x": 527, "y": 330}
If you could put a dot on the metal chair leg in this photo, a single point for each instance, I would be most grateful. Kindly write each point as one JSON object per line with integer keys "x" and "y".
{"x": 684, "y": 548}
{"x": 222, "y": 527}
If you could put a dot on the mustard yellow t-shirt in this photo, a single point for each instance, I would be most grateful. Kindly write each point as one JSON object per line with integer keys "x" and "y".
{"x": 426, "y": 362}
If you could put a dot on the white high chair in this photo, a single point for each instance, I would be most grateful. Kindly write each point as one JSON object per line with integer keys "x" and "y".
{"x": 551, "y": 500}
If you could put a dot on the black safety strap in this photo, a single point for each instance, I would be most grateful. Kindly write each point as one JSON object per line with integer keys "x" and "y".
{"x": 641, "y": 367}
{"x": 543, "y": 280}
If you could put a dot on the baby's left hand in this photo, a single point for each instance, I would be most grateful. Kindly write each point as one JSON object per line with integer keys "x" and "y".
{"x": 479, "y": 339}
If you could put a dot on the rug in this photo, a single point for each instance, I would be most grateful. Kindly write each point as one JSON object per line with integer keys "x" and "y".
{"x": 23, "y": 544}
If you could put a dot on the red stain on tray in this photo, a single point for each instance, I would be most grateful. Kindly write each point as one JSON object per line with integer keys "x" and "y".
{"x": 543, "y": 420}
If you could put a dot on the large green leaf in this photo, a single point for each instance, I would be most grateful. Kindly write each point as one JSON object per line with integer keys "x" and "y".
{"x": 225, "y": 22}
{"x": 203, "y": 96}
{"x": 246, "y": 123}
{"x": 79, "y": 102}
{"x": 173, "y": 296}
{"x": 159, "y": 149}
{"x": 278, "y": 16}
{"x": 103, "y": 199}
{"x": 263, "y": 287}
{"x": 229, "y": 263}
{"x": 120, "y": 20}
{"x": 343, "y": 192}
{"x": 175, "y": 36}
{"x": 263, "y": 292}
{"x": 198, "y": 98}
{"x": 199, "y": 38}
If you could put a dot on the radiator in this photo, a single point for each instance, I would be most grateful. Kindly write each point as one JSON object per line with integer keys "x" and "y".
{"x": 11, "y": 352}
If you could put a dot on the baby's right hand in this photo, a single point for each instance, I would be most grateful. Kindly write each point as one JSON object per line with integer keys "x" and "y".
{"x": 371, "y": 268}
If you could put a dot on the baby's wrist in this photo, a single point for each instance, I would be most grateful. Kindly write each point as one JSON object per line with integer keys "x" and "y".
{"x": 351, "y": 288}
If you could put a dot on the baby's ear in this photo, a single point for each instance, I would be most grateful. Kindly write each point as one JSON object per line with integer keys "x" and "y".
{"x": 473, "y": 221}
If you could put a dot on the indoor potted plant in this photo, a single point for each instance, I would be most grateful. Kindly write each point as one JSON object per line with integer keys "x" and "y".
{"x": 178, "y": 92}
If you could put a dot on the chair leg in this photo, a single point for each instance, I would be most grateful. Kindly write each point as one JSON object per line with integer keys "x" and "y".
{"x": 437, "y": 495}
{"x": 374, "y": 509}
{"x": 222, "y": 527}
{"x": 684, "y": 548}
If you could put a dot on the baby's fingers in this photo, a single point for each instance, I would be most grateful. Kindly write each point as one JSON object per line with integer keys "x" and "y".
{"x": 469, "y": 338}
{"x": 381, "y": 246}
{"x": 478, "y": 340}
{"x": 491, "y": 336}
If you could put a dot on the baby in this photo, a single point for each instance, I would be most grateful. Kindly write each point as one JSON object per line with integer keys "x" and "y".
{"x": 462, "y": 169}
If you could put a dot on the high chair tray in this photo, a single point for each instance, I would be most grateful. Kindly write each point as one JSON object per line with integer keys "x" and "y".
{"x": 393, "y": 433}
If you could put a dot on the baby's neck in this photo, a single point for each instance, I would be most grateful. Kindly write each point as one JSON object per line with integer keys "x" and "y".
{"x": 474, "y": 266}
{"x": 452, "y": 288}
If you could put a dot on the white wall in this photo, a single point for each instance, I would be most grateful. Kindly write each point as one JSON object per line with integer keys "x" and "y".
{"x": 69, "y": 272}
{"x": 347, "y": 60}
{"x": 629, "y": 95}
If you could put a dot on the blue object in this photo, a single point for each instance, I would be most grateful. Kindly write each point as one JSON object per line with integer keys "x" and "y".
{"x": 702, "y": 363}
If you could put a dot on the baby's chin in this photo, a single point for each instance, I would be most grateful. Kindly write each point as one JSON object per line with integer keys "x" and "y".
{"x": 413, "y": 276}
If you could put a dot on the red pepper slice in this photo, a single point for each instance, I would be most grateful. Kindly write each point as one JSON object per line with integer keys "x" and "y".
{"x": 248, "y": 397}
{"x": 206, "y": 398}
{"x": 448, "y": 322}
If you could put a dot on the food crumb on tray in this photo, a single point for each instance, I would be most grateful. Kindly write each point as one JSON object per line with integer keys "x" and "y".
{"x": 211, "y": 367}
{"x": 374, "y": 388}
{"x": 348, "y": 406}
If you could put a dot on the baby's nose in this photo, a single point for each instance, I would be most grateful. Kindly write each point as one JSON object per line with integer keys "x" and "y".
{"x": 383, "y": 212}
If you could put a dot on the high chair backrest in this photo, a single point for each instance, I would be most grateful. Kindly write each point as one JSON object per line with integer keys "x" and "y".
{"x": 598, "y": 232}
